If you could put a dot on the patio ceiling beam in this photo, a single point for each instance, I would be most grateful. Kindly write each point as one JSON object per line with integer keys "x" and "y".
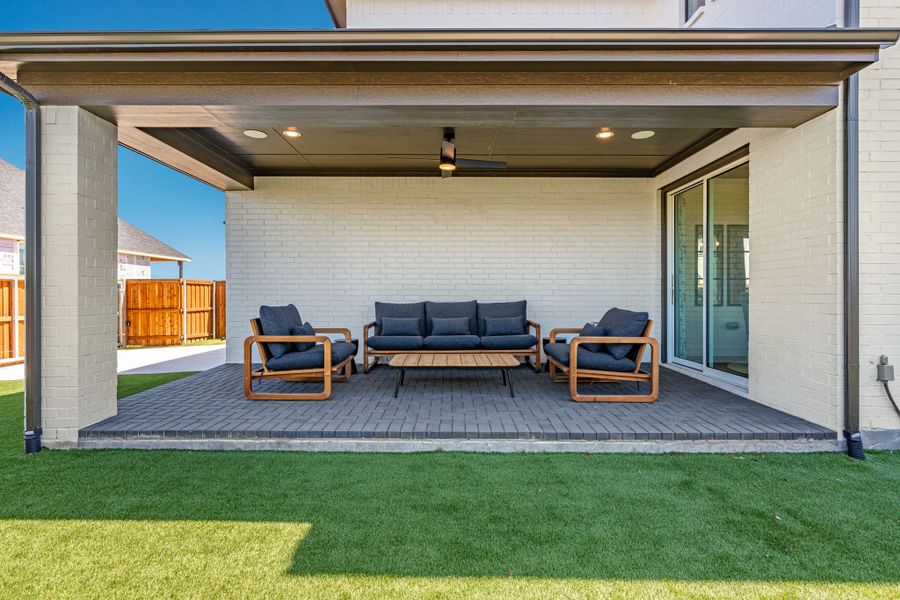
{"x": 189, "y": 153}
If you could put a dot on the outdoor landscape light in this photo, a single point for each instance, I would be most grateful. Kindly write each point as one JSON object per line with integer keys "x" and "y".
{"x": 605, "y": 134}
{"x": 291, "y": 132}
{"x": 642, "y": 135}
{"x": 256, "y": 134}
{"x": 447, "y": 166}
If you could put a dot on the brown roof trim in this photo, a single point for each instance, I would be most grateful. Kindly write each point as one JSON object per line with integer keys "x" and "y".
{"x": 338, "y": 11}
{"x": 367, "y": 39}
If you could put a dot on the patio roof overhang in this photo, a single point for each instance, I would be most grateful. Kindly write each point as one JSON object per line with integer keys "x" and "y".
{"x": 374, "y": 102}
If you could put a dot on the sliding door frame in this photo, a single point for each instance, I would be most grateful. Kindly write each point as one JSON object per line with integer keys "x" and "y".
{"x": 699, "y": 177}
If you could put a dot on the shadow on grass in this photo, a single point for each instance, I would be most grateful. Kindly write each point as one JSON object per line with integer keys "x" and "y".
{"x": 646, "y": 517}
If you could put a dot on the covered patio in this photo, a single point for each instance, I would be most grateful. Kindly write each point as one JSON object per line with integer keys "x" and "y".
{"x": 328, "y": 146}
{"x": 464, "y": 409}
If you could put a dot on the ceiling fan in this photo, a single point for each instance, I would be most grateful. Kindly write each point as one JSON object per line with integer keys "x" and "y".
{"x": 449, "y": 162}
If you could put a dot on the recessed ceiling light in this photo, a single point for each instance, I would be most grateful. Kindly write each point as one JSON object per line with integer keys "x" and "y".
{"x": 642, "y": 135}
{"x": 256, "y": 134}
{"x": 605, "y": 133}
{"x": 291, "y": 132}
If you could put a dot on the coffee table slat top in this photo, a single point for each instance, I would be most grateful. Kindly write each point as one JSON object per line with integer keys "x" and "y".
{"x": 463, "y": 360}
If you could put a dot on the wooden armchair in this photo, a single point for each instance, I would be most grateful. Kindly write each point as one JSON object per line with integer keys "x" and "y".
{"x": 326, "y": 370}
{"x": 574, "y": 373}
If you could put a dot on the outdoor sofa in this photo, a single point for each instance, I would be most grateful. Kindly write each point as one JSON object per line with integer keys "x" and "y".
{"x": 292, "y": 350}
{"x": 451, "y": 327}
{"x": 608, "y": 351}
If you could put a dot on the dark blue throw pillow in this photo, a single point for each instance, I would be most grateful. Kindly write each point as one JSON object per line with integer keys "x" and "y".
{"x": 400, "y": 326}
{"x": 305, "y": 329}
{"x": 450, "y": 326}
{"x": 591, "y": 330}
{"x": 504, "y": 326}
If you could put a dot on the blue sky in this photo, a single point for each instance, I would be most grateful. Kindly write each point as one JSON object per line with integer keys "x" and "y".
{"x": 177, "y": 209}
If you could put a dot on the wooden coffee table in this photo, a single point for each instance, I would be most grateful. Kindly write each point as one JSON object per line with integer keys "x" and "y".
{"x": 453, "y": 360}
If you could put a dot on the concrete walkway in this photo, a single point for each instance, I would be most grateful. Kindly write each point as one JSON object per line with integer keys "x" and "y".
{"x": 166, "y": 359}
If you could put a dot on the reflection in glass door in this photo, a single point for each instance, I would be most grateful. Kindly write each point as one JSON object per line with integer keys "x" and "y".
{"x": 688, "y": 276}
{"x": 710, "y": 273}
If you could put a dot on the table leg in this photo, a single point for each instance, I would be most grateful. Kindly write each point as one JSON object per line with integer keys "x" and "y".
{"x": 503, "y": 373}
{"x": 400, "y": 373}
{"x": 512, "y": 392}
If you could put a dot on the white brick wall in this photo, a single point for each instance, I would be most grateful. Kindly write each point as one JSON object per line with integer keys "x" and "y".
{"x": 333, "y": 246}
{"x": 879, "y": 124}
{"x": 486, "y": 14}
{"x": 79, "y": 202}
{"x": 796, "y": 249}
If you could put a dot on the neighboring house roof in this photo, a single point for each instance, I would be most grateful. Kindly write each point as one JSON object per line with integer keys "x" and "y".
{"x": 134, "y": 241}
{"x": 12, "y": 201}
{"x": 12, "y": 220}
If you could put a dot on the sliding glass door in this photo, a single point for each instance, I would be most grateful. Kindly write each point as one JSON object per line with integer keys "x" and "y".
{"x": 709, "y": 258}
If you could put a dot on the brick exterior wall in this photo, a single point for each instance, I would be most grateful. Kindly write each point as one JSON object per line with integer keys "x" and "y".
{"x": 486, "y": 14}
{"x": 333, "y": 246}
{"x": 879, "y": 124}
{"x": 79, "y": 203}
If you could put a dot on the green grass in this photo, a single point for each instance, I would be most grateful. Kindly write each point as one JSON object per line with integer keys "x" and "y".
{"x": 96, "y": 524}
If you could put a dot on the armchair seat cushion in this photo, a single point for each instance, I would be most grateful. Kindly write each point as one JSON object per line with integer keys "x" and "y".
{"x": 508, "y": 342}
{"x": 595, "y": 361}
{"x": 279, "y": 320}
{"x": 314, "y": 358}
{"x": 452, "y": 342}
{"x": 395, "y": 342}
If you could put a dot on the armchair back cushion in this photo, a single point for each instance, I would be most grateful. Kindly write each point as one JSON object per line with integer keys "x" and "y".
{"x": 305, "y": 329}
{"x": 450, "y": 310}
{"x": 278, "y": 320}
{"x": 591, "y": 330}
{"x": 400, "y": 311}
{"x": 501, "y": 309}
{"x": 503, "y": 326}
{"x": 400, "y": 326}
{"x": 450, "y": 326}
{"x": 623, "y": 323}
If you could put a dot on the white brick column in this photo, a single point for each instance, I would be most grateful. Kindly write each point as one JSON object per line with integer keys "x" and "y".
{"x": 79, "y": 204}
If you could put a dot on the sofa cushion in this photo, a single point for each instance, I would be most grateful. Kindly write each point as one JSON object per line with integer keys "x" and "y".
{"x": 501, "y": 309}
{"x": 597, "y": 361}
{"x": 623, "y": 323}
{"x": 503, "y": 326}
{"x": 508, "y": 342}
{"x": 443, "y": 310}
{"x": 313, "y": 358}
{"x": 388, "y": 309}
{"x": 451, "y": 342}
{"x": 400, "y": 326}
{"x": 278, "y": 320}
{"x": 305, "y": 329}
{"x": 395, "y": 342}
{"x": 450, "y": 326}
{"x": 591, "y": 330}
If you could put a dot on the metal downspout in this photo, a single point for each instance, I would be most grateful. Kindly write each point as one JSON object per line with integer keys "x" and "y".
{"x": 851, "y": 250}
{"x": 32, "y": 261}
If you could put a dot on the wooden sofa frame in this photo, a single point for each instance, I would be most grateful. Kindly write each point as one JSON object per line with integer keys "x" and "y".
{"x": 534, "y": 354}
{"x": 573, "y": 374}
{"x": 326, "y": 374}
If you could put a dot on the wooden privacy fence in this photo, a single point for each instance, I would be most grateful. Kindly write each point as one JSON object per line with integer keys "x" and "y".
{"x": 167, "y": 312}
{"x": 12, "y": 319}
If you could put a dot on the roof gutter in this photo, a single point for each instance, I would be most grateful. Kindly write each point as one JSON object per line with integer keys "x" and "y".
{"x": 851, "y": 251}
{"x": 32, "y": 261}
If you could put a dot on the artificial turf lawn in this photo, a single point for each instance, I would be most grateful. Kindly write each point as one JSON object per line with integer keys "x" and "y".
{"x": 263, "y": 524}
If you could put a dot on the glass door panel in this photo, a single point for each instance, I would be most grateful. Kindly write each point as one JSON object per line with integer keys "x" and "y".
{"x": 728, "y": 258}
{"x": 687, "y": 286}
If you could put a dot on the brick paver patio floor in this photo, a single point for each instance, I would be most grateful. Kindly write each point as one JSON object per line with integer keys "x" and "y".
{"x": 442, "y": 404}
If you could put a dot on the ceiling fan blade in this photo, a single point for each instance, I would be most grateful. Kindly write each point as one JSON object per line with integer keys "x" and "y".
{"x": 480, "y": 164}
